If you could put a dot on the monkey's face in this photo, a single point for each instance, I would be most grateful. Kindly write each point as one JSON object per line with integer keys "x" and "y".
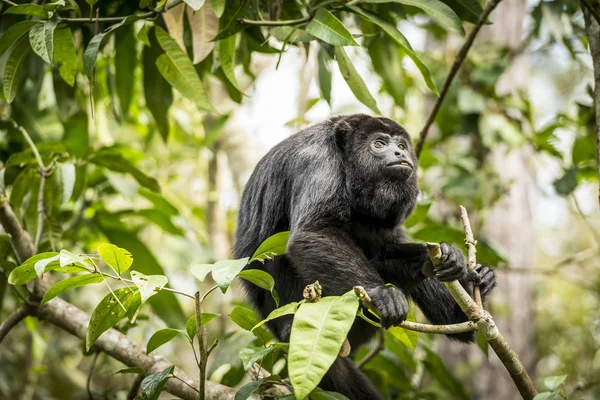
{"x": 391, "y": 154}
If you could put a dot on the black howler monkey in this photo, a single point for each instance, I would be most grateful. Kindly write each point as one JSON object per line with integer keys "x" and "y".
{"x": 343, "y": 188}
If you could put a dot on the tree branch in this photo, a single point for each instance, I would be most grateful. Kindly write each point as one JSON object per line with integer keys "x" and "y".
{"x": 12, "y": 320}
{"x": 470, "y": 242}
{"x": 19, "y": 238}
{"x": 147, "y": 15}
{"x": 592, "y": 27}
{"x": 460, "y": 58}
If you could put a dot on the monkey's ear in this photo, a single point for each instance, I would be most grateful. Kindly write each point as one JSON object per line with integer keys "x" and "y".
{"x": 342, "y": 126}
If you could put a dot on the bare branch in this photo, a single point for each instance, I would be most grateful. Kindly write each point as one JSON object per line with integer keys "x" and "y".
{"x": 460, "y": 58}
{"x": 12, "y": 320}
{"x": 470, "y": 242}
{"x": 19, "y": 238}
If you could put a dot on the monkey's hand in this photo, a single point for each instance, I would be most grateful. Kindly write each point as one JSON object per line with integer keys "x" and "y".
{"x": 485, "y": 278}
{"x": 390, "y": 303}
{"x": 452, "y": 266}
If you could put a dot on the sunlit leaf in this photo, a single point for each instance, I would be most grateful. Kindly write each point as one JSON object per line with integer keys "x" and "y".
{"x": 246, "y": 319}
{"x": 109, "y": 311}
{"x": 161, "y": 337}
{"x": 191, "y": 327}
{"x": 125, "y": 61}
{"x": 26, "y": 272}
{"x": 174, "y": 21}
{"x": 70, "y": 283}
{"x": 354, "y": 81}
{"x": 227, "y": 56}
{"x": 148, "y": 285}
{"x": 114, "y": 161}
{"x": 318, "y": 331}
{"x": 41, "y": 266}
{"x": 224, "y": 271}
{"x": 41, "y": 38}
{"x": 328, "y": 28}
{"x": 115, "y": 257}
{"x": 201, "y": 270}
{"x": 218, "y": 7}
{"x": 12, "y": 69}
{"x": 65, "y": 54}
{"x": 13, "y": 33}
{"x": 553, "y": 382}
{"x": 261, "y": 279}
{"x": 67, "y": 180}
{"x": 204, "y": 25}
{"x": 248, "y": 390}
{"x": 194, "y": 4}
{"x": 324, "y": 75}
{"x": 287, "y": 309}
{"x": 274, "y": 245}
{"x": 178, "y": 70}
{"x": 250, "y": 355}
{"x": 33, "y": 10}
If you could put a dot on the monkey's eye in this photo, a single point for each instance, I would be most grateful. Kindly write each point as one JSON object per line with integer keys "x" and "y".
{"x": 379, "y": 144}
{"x": 402, "y": 146}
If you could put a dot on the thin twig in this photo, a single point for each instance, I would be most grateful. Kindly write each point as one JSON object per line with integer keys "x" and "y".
{"x": 13, "y": 319}
{"x": 202, "y": 342}
{"x": 119, "y": 278}
{"x": 290, "y": 22}
{"x": 585, "y": 220}
{"x": 380, "y": 346}
{"x": 88, "y": 384}
{"x": 10, "y": 3}
{"x": 184, "y": 382}
{"x": 470, "y": 243}
{"x": 460, "y": 58}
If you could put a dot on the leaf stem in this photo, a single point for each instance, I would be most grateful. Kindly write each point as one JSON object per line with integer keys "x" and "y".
{"x": 203, "y": 348}
{"x": 118, "y": 278}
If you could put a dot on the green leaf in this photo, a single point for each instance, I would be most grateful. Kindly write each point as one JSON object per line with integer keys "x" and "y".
{"x": 115, "y": 257}
{"x": 190, "y": 325}
{"x": 354, "y": 81}
{"x": 467, "y": 10}
{"x": 248, "y": 390}
{"x": 482, "y": 342}
{"x": 76, "y": 136}
{"x": 224, "y": 271}
{"x": 14, "y": 33}
{"x": 153, "y": 384}
{"x": 178, "y": 70}
{"x": 319, "y": 394}
{"x": 218, "y": 6}
{"x": 91, "y": 54}
{"x": 246, "y": 319}
{"x": 12, "y": 69}
{"x": 70, "y": 283}
{"x": 553, "y": 382}
{"x": 545, "y": 396}
{"x": 567, "y": 183}
{"x": 33, "y": 10}
{"x": 250, "y": 355}
{"x": 131, "y": 370}
{"x": 227, "y": 56}
{"x": 443, "y": 376}
{"x": 408, "y": 338}
{"x": 148, "y": 285}
{"x": 287, "y": 309}
{"x": 41, "y": 266}
{"x": 437, "y": 10}
{"x": 229, "y": 24}
{"x": 204, "y": 25}
{"x": 114, "y": 161}
{"x": 324, "y": 75}
{"x": 41, "y": 38}
{"x": 261, "y": 279}
{"x": 108, "y": 312}
{"x": 161, "y": 337}
{"x": 91, "y": 2}
{"x": 142, "y": 34}
{"x": 318, "y": 331}
{"x": 26, "y": 272}
{"x": 125, "y": 61}
{"x": 201, "y": 270}
{"x": 329, "y": 29}
{"x": 195, "y": 4}
{"x": 399, "y": 38}
{"x": 65, "y": 54}
{"x": 68, "y": 176}
{"x": 157, "y": 91}
{"x": 273, "y": 246}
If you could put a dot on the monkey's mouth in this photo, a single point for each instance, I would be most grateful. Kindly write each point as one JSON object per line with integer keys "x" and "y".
{"x": 400, "y": 164}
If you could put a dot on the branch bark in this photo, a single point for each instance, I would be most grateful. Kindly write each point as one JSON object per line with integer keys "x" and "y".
{"x": 460, "y": 58}
{"x": 592, "y": 26}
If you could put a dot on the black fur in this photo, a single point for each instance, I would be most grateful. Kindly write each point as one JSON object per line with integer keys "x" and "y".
{"x": 343, "y": 203}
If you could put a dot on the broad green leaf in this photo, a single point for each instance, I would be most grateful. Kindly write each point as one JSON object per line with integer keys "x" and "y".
{"x": 41, "y": 38}
{"x": 160, "y": 203}
{"x": 467, "y": 10}
{"x": 148, "y": 285}
{"x": 409, "y": 338}
{"x": 108, "y": 312}
{"x": 142, "y": 34}
{"x": 26, "y": 272}
{"x": 435, "y": 366}
{"x": 553, "y": 382}
{"x": 354, "y": 81}
{"x": 224, "y": 271}
{"x": 229, "y": 24}
{"x": 175, "y": 24}
{"x": 91, "y": 54}
{"x": 437, "y": 10}
{"x": 482, "y": 343}
{"x": 153, "y": 384}
{"x": 399, "y": 38}
{"x": 567, "y": 183}
{"x": 157, "y": 91}
{"x": 218, "y": 7}
{"x": 329, "y": 29}
{"x": 545, "y": 396}
{"x": 70, "y": 283}
{"x": 33, "y": 10}
{"x": 273, "y": 246}
{"x": 194, "y": 4}
{"x": 125, "y": 61}
{"x": 115, "y": 257}
{"x": 12, "y": 69}
{"x": 67, "y": 258}
{"x": 287, "y": 309}
{"x": 67, "y": 181}
{"x": 246, "y": 319}
{"x": 248, "y": 390}
{"x": 41, "y": 265}
{"x": 324, "y": 75}
{"x": 318, "y": 331}
{"x": 201, "y": 270}
{"x": 190, "y": 325}
{"x": 76, "y": 137}
{"x": 114, "y": 161}
{"x": 161, "y": 337}
{"x": 319, "y": 394}
{"x": 204, "y": 25}
{"x": 227, "y": 56}
{"x": 65, "y": 54}
{"x": 178, "y": 70}
{"x": 250, "y": 355}
{"x": 14, "y": 33}
{"x": 261, "y": 279}
{"x": 131, "y": 370}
